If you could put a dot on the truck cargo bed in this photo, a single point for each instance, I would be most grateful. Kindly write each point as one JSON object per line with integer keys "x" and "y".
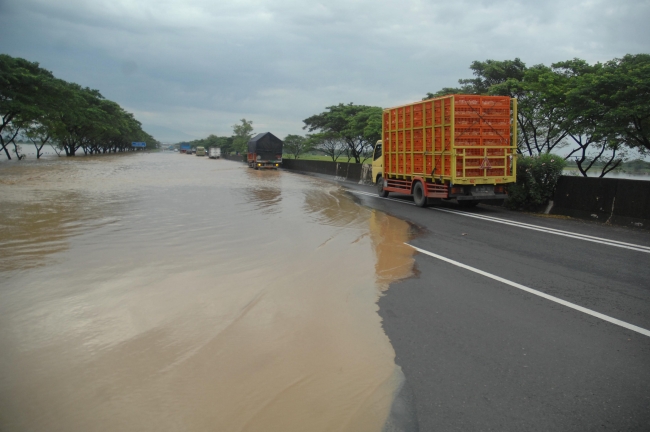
{"x": 455, "y": 139}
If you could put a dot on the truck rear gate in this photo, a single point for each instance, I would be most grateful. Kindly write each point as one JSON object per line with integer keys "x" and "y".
{"x": 214, "y": 153}
{"x": 265, "y": 151}
{"x": 451, "y": 144}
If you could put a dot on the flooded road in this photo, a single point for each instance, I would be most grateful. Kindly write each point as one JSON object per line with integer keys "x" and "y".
{"x": 165, "y": 292}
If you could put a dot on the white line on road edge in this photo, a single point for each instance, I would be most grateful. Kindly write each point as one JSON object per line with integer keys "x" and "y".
{"x": 537, "y": 293}
{"x": 377, "y": 196}
{"x": 615, "y": 243}
{"x": 585, "y": 237}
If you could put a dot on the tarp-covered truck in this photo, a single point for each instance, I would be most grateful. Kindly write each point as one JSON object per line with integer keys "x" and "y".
{"x": 265, "y": 151}
{"x": 186, "y": 148}
{"x": 214, "y": 153}
{"x": 460, "y": 147}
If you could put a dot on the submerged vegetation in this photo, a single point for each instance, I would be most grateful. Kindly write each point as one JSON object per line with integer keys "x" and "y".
{"x": 37, "y": 106}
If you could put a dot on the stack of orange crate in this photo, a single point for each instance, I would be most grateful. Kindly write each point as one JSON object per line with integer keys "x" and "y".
{"x": 482, "y": 130}
{"x": 417, "y": 137}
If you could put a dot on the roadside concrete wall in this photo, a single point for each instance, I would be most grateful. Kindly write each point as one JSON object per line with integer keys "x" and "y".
{"x": 361, "y": 173}
{"x": 616, "y": 201}
{"x": 240, "y": 158}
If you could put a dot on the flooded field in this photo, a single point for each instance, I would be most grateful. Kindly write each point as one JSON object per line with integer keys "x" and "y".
{"x": 165, "y": 292}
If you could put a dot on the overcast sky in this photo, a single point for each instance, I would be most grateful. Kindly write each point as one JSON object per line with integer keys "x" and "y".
{"x": 188, "y": 68}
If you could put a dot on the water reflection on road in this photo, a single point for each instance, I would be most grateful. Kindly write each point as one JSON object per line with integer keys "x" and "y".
{"x": 167, "y": 292}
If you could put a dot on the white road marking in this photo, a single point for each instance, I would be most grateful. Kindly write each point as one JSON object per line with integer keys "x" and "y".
{"x": 615, "y": 243}
{"x": 585, "y": 237}
{"x": 538, "y": 293}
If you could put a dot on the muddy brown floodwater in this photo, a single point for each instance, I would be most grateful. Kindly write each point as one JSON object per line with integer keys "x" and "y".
{"x": 166, "y": 292}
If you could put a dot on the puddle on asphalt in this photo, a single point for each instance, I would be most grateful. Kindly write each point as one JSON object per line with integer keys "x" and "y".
{"x": 166, "y": 292}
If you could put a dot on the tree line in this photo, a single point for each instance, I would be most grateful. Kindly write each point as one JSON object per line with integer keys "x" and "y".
{"x": 37, "y": 106}
{"x": 597, "y": 113}
{"x": 343, "y": 130}
{"x": 236, "y": 143}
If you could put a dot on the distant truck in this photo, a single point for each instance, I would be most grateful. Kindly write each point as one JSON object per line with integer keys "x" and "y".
{"x": 460, "y": 147}
{"x": 214, "y": 153}
{"x": 200, "y": 151}
{"x": 186, "y": 148}
{"x": 265, "y": 151}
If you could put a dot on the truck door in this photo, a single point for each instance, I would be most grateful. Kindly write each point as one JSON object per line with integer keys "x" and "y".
{"x": 377, "y": 161}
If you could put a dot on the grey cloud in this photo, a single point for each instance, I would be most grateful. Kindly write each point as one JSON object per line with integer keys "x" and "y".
{"x": 129, "y": 67}
{"x": 201, "y": 65}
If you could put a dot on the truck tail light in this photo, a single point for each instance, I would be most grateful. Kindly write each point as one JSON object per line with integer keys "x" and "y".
{"x": 457, "y": 190}
{"x": 499, "y": 189}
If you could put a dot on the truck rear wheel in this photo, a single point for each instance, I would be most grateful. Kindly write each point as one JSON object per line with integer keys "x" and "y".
{"x": 419, "y": 197}
{"x": 380, "y": 187}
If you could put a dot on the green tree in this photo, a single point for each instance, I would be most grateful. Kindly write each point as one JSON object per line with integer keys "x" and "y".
{"x": 297, "y": 145}
{"x": 599, "y": 111}
{"x": 448, "y": 91}
{"x": 487, "y": 74}
{"x": 598, "y": 141}
{"x": 540, "y": 119}
{"x": 211, "y": 141}
{"x": 330, "y": 143}
{"x": 39, "y": 133}
{"x": 542, "y": 111}
{"x": 25, "y": 92}
{"x": 80, "y": 118}
{"x": 226, "y": 144}
{"x": 617, "y": 94}
{"x": 41, "y": 127}
{"x": 8, "y": 136}
{"x": 242, "y": 133}
{"x": 47, "y": 109}
{"x": 359, "y": 126}
{"x": 113, "y": 128}
{"x": 537, "y": 178}
{"x": 491, "y": 73}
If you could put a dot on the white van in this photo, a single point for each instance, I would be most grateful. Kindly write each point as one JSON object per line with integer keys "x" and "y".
{"x": 214, "y": 153}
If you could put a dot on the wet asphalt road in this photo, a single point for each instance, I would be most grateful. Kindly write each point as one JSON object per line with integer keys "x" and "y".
{"x": 482, "y": 355}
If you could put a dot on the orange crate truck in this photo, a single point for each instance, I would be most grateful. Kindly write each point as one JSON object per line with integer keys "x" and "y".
{"x": 459, "y": 147}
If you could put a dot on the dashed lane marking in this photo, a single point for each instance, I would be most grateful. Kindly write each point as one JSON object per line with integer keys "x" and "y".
{"x": 537, "y": 293}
